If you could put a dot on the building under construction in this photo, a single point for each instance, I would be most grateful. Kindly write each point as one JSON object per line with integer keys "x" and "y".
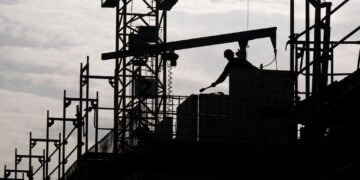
{"x": 296, "y": 124}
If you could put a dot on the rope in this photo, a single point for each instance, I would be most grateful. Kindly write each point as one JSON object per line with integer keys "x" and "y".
{"x": 274, "y": 60}
{"x": 131, "y": 11}
{"x": 247, "y": 15}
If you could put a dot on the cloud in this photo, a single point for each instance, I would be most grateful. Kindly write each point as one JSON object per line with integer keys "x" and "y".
{"x": 64, "y": 25}
{"x": 21, "y": 113}
{"x": 226, "y": 6}
{"x": 41, "y": 46}
{"x": 43, "y": 42}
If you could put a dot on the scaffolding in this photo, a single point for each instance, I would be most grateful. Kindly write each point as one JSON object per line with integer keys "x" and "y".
{"x": 144, "y": 110}
{"x": 140, "y": 86}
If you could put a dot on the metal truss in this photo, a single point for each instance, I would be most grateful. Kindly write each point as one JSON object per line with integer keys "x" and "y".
{"x": 140, "y": 87}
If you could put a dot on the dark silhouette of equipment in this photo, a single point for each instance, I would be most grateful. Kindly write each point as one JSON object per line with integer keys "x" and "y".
{"x": 241, "y": 37}
{"x": 166, "y": 4}
{"x": 168, "y": 48}
{"x": 109, "y": 3}
{"x": 171, "y": 56}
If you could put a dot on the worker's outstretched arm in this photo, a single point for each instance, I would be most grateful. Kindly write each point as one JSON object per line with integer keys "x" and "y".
{"x": 222, "y": 77}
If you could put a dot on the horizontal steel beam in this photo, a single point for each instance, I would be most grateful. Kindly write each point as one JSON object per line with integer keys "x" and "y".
{"x": 196, "y": 42}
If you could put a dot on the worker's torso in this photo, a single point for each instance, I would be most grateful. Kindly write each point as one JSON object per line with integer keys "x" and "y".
{"x": 240, "y": 63}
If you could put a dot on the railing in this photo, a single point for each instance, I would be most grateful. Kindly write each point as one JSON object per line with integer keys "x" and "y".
{"x": 213, "y": 118}
{"x": 105, "y": 145}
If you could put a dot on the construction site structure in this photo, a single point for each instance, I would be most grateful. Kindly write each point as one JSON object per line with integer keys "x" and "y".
{"x": 267, "y": 127}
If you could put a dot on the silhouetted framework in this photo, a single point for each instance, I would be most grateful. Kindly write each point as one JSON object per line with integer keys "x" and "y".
{"x": 241, "y": 37}
{"x": 141, "y": 73}
{"x": 268, "y": 127}
{"x": 41, "y": 159}
{"x": 321, "y": 47}
{"x": 80, "y": 122}
{"x": 46, "y": 160}
{"x": 140, "y": 83}
{"x": 313, "y": 60}
{"x": 8, "y": 172}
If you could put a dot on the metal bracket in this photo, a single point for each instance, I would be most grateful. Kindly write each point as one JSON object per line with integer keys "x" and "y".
{"x": 18, "y": 159}
{"x": 67, "y": 103}
{"x": 32, "y": 143}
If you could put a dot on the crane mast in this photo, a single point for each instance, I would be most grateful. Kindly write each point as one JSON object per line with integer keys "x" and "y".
{"x": 140, "y": 88}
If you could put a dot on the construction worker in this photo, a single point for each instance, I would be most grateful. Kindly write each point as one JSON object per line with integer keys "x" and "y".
{"x": 239, "y": 62}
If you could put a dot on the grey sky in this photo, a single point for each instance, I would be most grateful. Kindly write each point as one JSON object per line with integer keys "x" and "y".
{"x": 42, "y": 44}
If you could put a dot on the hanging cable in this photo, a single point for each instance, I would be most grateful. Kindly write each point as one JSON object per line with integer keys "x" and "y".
{"x": 131, "y": 11}
{"x": 274, "y": 60}
{"x": 247, "y": 15}
{"x": 132, "y": 5}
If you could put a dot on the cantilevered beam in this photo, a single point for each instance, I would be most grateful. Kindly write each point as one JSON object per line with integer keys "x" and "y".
{"x": 194, "y": 43}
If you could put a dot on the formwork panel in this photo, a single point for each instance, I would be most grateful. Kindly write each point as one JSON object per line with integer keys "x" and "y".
{"x": 260, "y": 84}
{"x": 221, "y": 118}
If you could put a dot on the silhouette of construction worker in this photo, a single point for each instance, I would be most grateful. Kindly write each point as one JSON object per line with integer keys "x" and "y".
{"x": 239, "y": 62}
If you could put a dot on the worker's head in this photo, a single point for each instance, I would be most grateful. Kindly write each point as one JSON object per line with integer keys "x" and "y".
{"x": 229, "y": 54}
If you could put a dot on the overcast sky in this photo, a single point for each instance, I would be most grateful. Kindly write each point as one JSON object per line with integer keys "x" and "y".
{"x": 43, "y": 42}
